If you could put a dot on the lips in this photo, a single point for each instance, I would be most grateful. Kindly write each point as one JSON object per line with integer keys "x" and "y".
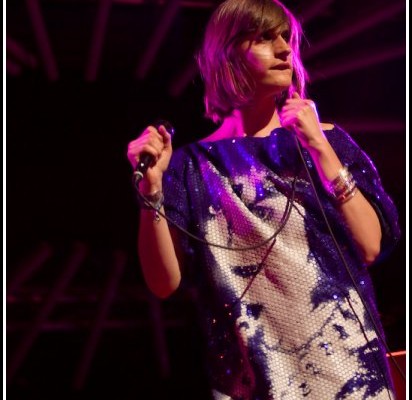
{"x": 281, "y": 66}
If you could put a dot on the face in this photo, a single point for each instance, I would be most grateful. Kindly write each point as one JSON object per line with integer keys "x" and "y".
{"x": 269, "y": 59}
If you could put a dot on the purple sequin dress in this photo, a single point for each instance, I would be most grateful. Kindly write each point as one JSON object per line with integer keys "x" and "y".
{"x": 282, "y": 320}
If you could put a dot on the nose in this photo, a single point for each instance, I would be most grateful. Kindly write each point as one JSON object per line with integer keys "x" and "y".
{"x": 281, "y": 48}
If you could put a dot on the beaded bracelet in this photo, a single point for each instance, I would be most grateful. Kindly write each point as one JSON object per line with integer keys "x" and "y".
{"x": 343, "y": 187}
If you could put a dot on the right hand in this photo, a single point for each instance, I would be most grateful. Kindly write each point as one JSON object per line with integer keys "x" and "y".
{"x": 158, "y": 143}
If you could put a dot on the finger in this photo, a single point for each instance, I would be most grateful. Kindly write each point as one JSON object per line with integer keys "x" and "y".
{"x": 296, "y": 96}
{"x": 291, "y": 106}
{"x": 295, "y": 102}
{"x": 151, "y": 129}
{"x": 311, "y": 104}
{"x": 288, "y": 121}
{"x": 165, "y": 135}
{"x": 149, "y": 149}
{"x": 151, "y": 132}
{"x": 134, "y": 153}
{"x": 154, "y": 142}
{"x": 289, "y": 115}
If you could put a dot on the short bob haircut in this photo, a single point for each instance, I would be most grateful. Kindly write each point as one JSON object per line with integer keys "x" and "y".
{"x": 228, "y": 84}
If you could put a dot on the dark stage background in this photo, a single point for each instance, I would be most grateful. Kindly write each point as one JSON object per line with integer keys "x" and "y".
{"x": 83, "y": 78}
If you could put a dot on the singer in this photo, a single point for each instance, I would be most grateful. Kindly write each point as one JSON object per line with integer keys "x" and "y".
{"x": 290, "y": 213}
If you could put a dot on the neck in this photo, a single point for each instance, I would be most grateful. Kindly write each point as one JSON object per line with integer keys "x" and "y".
{"x": 257, "y": 120}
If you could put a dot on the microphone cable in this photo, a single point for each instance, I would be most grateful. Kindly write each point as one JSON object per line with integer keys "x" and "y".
{"x": 283, "y": 221}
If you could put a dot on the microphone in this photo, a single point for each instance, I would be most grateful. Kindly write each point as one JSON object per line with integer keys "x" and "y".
{"x": 146, "y": 159}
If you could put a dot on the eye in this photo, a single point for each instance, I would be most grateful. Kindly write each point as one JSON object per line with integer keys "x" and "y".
{"x": 265, "y": 36}
{"x": 286, "y": 35}
{"x": 270, "y": 35}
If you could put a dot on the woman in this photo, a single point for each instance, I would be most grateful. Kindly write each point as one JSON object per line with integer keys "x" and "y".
{"x": 286, "y": 302}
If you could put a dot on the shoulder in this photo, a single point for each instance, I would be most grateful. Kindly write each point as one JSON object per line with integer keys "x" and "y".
{"x": 341, "y": 141}
{"x": 337, "y": 136}
{"x": 335, "y": 132}
{"x": 217, "y": 135}
{"x": 184, "y": 154}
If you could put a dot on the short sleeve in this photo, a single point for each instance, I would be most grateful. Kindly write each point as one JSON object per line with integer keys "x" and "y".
{"x": 369, "y": 183}
{"x": 176, "y": 196}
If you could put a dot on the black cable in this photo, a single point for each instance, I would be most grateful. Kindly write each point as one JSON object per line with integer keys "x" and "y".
{"x": 284, "y": 219}
{"x": 375, "y": 325}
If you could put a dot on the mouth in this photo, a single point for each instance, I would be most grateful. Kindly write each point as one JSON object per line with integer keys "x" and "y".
{"x": 281, "y": 67}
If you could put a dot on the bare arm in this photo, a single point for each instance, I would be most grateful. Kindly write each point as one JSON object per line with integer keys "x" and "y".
{"x": 358, "y": 214}
{"x": 156, "y": 248}
{"x": 158, "y": 257}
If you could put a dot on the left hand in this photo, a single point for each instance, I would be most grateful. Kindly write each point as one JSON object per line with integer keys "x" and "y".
{"x": 300, "y": 115}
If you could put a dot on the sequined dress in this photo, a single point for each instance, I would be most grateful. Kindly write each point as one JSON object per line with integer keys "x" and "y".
{"x": 282, "y": 319}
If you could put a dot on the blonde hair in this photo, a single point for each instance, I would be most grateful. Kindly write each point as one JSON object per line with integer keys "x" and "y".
{"x": 228, "y": 84}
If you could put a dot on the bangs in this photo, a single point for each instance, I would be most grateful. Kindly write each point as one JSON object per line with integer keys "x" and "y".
{"x": 275, "y": 16}
{"x": 266, "y": 15}
{"x": 258, "y": 17}
{"x": 272, "y": 17}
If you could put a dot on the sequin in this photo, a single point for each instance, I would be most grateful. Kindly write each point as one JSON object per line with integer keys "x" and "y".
{"x": 284, "y": 320}
{"x": 327, "y": 347}
{"x": 341, "y": 330}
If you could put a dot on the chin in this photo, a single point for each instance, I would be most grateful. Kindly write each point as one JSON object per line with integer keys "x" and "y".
{"x": 275, "y": 90}
{"x": 281, "y": 83}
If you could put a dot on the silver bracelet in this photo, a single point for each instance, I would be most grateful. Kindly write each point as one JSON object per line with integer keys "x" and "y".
{"x": 152, "y": 202}
{"x": 343, "y": 187}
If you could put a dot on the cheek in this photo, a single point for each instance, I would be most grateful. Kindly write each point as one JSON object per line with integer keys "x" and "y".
{"x": 258, "y": 61}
